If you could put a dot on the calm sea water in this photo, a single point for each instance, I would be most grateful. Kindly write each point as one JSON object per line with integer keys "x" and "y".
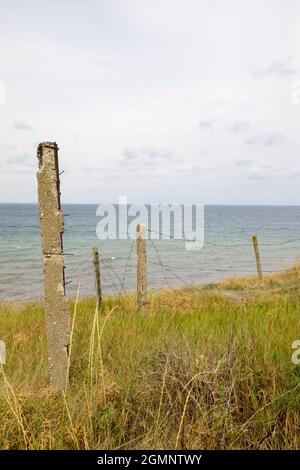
{"x": 21, "y": 274}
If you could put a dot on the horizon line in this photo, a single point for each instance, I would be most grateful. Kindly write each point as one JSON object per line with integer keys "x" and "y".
{"x": 153, "y": 204}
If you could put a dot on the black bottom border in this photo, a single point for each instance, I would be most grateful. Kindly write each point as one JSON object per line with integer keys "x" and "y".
{"x": 134, "y": 459}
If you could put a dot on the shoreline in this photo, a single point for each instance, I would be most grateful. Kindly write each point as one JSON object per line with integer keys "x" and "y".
{"x": 21, "y": 304}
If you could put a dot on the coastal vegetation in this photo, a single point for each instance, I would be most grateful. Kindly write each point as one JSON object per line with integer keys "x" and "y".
{"x": 207, "y": 367}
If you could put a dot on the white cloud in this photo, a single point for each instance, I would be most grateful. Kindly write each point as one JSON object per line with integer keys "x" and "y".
{"x": 2, "y": 92}
{"x": 22, "y": 126}
{"x": 281, "y": 68}
{"x": 147, "y": 92}
{"x": 267, "y": 140}
{"x": 271, "y": 173}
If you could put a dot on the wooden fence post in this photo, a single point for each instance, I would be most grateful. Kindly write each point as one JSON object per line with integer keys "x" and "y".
{"x": 96, "y": 264}
{"x": 257, "y": 257}
{"x": 52, "y": 228}
{"x": 141, "y": 268}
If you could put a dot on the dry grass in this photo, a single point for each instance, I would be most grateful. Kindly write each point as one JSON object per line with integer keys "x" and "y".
{"x": 206, "y": 368}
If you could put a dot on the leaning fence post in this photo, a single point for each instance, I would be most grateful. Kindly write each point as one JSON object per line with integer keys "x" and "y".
{"x": 52, "y": 227}
{"x": 96, "y": 264}
{"x": 141, "y": 268}
{"x": 257, "y": 257}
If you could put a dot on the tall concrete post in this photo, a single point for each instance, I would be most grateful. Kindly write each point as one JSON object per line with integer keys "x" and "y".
{"x": 257, "y": 257}
{"x": 96, "y": 264}
{"x": 141, "y": 268}
{"x": 52, "y": 228}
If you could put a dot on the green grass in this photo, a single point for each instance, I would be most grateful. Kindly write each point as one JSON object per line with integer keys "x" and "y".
{"x": 205, "y": 368}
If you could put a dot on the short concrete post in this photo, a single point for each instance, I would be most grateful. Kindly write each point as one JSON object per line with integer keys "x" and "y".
{"x": 141, "y": 268}
{"x": 257, "y": 257}
{"x": 52, "y": 227}
{"x": 96, "y": 264}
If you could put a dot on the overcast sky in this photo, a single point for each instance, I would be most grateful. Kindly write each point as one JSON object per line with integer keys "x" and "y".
{"x": 160, "y": 100}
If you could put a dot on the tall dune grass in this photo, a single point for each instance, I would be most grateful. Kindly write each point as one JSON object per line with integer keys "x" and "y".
{"x": 205, "y": 368}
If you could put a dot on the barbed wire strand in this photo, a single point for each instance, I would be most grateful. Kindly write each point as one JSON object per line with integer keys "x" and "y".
{"x": 160, "y": 262}
{"x": 116, "y": 275}
{"x": 174, "y": 274}
{"x": 113, "y": 284}
{"x": 170, "y": 237}
{"x": 126, "y": 266}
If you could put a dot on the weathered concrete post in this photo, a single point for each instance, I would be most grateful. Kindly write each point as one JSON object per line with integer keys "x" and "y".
{"x": 257, "y": 257}
{"x": 52, "y": 227}
{"x": 96, "y": 264}
{"x": 141, "y": 268}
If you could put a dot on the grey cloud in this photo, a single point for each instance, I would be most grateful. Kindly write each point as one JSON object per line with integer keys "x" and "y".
{"x": 22, "y": 165}
{"x": 267, "y": 140}
{"x": 133, "y": 160}
{"x": 104, "y": 170}
{"x": 242, "y": 163}
{"x": 277, "y": 68}
{"x": 147, "y": 156}
{"x": 88, "y": 169}
{"x": 25, "y": 160}
{"x": 239, "y": 127}
{"x": 270, "y": 172}
{"x": 261, "y": 173}
{"x": 105, "y": 64}
{"x": 195, "y": 172}
{"x": 22, "y": 126}
{"x": 208, "y": 124}
{"x": 129, "y": 154}
{"x": 224, "y": 125}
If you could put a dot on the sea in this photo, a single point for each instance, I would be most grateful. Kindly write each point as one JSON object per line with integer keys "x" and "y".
{"x": 227, "y": 250}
